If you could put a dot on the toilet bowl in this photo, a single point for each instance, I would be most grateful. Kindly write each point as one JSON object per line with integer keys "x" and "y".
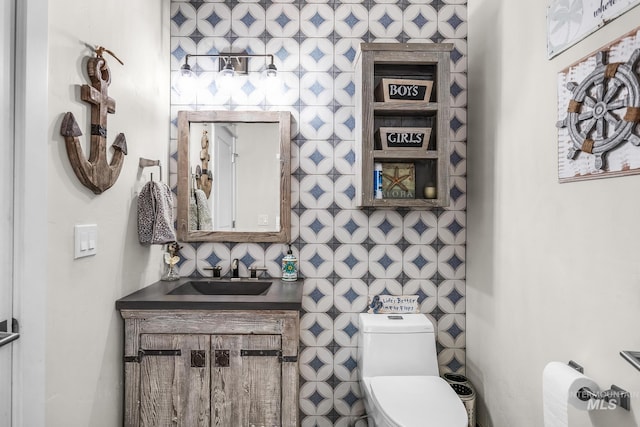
{"x": 398, "y": 374}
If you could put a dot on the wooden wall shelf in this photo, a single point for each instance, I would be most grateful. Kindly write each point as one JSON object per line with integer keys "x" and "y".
{"x": 411, "y": 61}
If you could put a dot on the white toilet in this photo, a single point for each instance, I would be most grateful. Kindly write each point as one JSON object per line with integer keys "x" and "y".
{"x": 398, "y": 373}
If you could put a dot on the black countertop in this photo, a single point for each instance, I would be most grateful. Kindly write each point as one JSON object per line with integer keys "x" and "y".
{"x": 280, "y": 296}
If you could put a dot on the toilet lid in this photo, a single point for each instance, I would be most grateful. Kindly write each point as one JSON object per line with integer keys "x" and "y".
{"x": 420, "y": 401}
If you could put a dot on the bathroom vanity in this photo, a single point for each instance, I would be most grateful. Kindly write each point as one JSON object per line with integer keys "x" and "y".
{"x": 196, "y": 355}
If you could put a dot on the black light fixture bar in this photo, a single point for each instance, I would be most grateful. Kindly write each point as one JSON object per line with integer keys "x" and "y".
{"x": 239, "y": 63}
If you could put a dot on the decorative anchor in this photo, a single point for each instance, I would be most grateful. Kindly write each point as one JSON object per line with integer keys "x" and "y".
{"x": 95, "y": 173}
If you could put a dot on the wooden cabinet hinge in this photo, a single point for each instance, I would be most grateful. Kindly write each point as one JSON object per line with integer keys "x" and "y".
{"x": 271, "y": 353}
{"x": 142, "y": 353}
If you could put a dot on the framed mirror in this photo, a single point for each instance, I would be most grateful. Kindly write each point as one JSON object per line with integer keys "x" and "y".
{"x": 234, "y": 176}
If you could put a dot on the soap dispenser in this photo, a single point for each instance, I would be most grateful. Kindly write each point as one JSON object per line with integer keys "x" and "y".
{"x": 289, "y": 267}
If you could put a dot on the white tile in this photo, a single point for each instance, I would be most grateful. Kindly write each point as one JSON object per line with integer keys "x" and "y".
{"x": 451, "y": 330}
{"x": 316, "y": 260}
{"x": 385, "y": 227}
{"x": 347, "y": 399}
{"x": 316, "y": 329}
{"x": 345, "y": 123}
{"x": 385, "y": 261}
{"x": 283, "y": 20}
{"x": 345, "y": 364}
{"x": 452, "y": 226}
{"x": 316, "y": 157}
{"x": 452, "y": 21}
{"x": 384, "y": 287}
{"x": 316, "y": 225}
{"x": 420, "y": 261}
{"x": 344, "y": 157}
{"x": 345, "y": 89}
{"x": 316, "y": 122}
{"x": 346, "y": 50}
{"x": 350, "y": 261}
{"x": 316, "y": 88}
{"x": 420, "y": 21}
{"x": 420, "y": 227}
{"x": 316, "y": 398}
{"x": 351, "y": 295}
{"x": 183, "y": 19}
{"x": 316, "y": 20}
{"x": 316, "y": 364}
{"x": 214, "y": 19}
{"x": 316, "y": 54}
{"x": 385, "y": 21}
{"x": 317, "y": 296}
{"x": 345, "y": 330}
{"x": 248, "y": 20}
{"x": 452, "y": 262}
{"x": 352, "y": 20}
{"x": 316, "y": 192}
{"x": 427, "y": 293}
{"x": 345, "y": 191}
{"x": 451, "y": 296}
{"x": 351, "y": 226}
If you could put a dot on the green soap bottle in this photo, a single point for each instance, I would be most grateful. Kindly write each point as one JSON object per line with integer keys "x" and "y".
{"x": 289, "y": 267}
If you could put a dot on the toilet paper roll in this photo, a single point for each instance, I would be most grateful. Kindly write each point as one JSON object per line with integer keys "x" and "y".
{"x": 560, "y": 385}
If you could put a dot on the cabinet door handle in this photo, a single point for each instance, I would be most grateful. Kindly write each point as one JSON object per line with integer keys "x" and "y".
{"x": 221, "y": 358}
{"x": 198, "y": 358}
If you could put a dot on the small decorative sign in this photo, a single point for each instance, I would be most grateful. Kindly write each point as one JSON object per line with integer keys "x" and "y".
{"x": 401, "y": 304}
{"x": 403, "y": 137}
{"x": 403, "y": 90}
{"x": 398, "y": 181}
{"x": 569, "y": 21}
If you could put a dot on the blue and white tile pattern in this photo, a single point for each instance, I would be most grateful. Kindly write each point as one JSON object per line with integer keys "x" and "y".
{"x": 346, "y": 254}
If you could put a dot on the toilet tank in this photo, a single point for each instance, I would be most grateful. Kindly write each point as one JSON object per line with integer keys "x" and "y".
{"x": 396, "y": 344}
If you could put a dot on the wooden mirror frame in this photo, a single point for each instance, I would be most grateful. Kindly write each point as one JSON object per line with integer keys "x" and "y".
{"x": 283, "y": 119}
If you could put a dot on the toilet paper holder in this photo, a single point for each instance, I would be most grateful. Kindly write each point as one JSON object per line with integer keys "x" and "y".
{"x": 614, "y": 397}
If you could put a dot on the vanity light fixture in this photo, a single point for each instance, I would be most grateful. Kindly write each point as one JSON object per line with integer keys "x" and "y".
{"x": 186, "y": 78}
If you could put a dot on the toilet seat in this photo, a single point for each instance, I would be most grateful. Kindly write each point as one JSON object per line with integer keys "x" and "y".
{"x": 418, "y": 401}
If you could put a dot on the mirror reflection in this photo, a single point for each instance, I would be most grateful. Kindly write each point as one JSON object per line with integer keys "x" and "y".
{"x": 235, "y": 170}
{"x": 233, "y": 176}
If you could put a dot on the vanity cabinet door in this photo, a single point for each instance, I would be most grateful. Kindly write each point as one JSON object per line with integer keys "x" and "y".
{"x": 246, "y": 386}
{"x": 175, "y": 380}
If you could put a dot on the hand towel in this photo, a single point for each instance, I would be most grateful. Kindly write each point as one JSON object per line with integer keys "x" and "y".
{"x": 193, "y": 211}
{"x": 204, "y": 213}
{"x": 155, "y": 214}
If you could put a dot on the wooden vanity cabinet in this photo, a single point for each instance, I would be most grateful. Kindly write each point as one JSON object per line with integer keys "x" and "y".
{"x": 222, "y": 368}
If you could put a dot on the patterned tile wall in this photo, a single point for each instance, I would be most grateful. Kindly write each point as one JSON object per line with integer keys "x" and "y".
{"x": 345, "y": 253}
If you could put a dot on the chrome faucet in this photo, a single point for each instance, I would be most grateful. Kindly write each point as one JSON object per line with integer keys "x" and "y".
{"x": 235, "y": 271}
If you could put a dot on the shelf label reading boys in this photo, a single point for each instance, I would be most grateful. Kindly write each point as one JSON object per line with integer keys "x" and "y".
{"x": 407, "y": 91}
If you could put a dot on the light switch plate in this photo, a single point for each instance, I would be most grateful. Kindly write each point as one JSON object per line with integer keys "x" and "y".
{"x": 86, "y": 240}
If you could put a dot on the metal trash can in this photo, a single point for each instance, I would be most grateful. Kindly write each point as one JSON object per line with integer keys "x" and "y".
{"x": 466, "y": 392}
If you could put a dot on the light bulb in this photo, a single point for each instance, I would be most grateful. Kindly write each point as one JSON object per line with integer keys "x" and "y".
{"x": 185, "y": 82}
{"x": 271, "y": 71}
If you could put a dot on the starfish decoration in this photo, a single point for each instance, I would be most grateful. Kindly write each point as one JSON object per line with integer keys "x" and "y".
{"x": 397, "y": 179}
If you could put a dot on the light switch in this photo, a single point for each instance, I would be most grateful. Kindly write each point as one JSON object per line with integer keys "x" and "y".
{"x": 86, "y": 240}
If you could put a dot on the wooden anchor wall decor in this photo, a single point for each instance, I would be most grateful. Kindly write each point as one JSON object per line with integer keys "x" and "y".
{"x": 95, "y": 173}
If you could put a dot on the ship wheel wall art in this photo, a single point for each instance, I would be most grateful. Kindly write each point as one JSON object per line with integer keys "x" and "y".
{"x": 599, "y": 111}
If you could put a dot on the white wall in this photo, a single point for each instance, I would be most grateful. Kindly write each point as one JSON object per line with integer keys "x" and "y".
{"x": 258, "y": 167}
{"x": 84, "y": 331}
{"x": 553, "y": 270}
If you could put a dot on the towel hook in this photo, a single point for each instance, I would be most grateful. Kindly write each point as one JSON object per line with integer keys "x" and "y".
{"x": 143, "y": 163}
